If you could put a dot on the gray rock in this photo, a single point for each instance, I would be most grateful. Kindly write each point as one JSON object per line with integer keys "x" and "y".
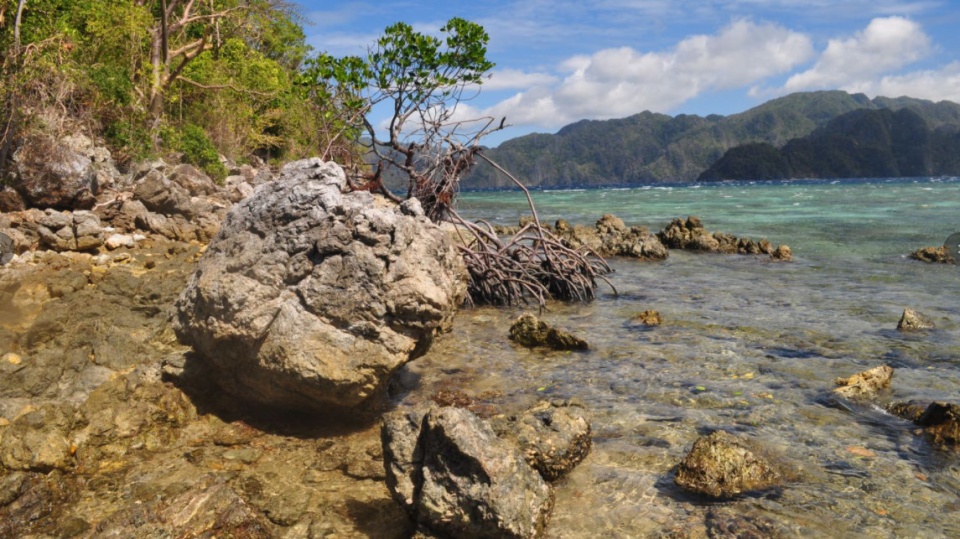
{"x": 554, "y": 438}
{"x": 163, "y": 196}
{"x": 914, "y": 321}
{"x": 77, "y": 231}
{"x": 722, "y": 465}
{"x": 237, "y": 188}
{"x": 403, "y": 455}
{"x": 56, "y": 173}
{"x": 194, "y": 181}
{"x": 465, "y": 481}
{"x": 308, "y": 298}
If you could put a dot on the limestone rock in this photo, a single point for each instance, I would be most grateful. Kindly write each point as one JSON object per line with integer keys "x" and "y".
{"x": 530, "y": 331}
{"x": 914, "y": 321}
{"x": 866, "y": 383}
{"x": 308, "y": 298}
{"x": 466, "y": 482}
{"x": 77, "y": 231}
{"x": 722, "y": 465}
{"x": 554, "y": 438}
{"x": 7, "y": 248}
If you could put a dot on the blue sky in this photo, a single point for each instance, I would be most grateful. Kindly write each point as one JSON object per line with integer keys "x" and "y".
{"x": 560, "y": 61}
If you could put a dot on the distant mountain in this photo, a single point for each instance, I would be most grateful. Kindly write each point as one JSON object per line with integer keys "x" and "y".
{"x": 863, "y": 143}
{"x": 657, "y": 148}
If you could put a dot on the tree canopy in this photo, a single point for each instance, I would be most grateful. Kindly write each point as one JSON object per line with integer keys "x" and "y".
{"x": 154, "y": 75}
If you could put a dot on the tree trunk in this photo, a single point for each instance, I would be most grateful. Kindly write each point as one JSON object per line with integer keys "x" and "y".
{"x": 16, "y": 30}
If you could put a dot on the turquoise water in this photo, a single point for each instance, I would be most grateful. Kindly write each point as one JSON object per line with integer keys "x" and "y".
{"x": 747, "y": 345}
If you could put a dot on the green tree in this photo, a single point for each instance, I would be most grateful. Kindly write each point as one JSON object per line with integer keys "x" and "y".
{"x": 421, "y": 79}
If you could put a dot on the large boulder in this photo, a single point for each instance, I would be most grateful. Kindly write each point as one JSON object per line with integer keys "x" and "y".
{"x": 56, "y": 173}
{"x": 456, "y": 478}
{"x": 309, "y": 298}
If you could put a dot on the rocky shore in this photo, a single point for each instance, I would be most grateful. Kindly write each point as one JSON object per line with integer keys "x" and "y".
{"x": 181, "y": 358}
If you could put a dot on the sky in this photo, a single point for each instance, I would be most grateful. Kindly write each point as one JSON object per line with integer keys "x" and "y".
{"x": 560, "y": 61}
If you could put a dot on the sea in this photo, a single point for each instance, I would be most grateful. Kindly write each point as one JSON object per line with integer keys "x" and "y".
{"x": 747, "y": 345}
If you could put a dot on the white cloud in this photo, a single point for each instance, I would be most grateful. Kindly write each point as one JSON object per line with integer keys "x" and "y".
{"x": 512, "y": 79}
{"x": 935, "y": 85}
{"x": 885, "y": 45}
{"x": 618, "y": 82}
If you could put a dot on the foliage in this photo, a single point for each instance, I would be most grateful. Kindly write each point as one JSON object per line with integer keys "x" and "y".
{"x": 422, "y": 79}
{"x": 130, "y": 71}
{"x": 198, "y": 150}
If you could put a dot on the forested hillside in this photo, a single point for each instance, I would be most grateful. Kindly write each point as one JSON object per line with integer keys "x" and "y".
{"x": 654, "y": 148}
{"x": 200, "y": 79}
{"x": 860, "y": 144}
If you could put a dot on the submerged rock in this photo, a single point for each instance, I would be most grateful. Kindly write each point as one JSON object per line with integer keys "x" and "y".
{"x": 455, "y": 477}
{"x": 940, "y": 420}
{"x": 722, "y": 465}
{"x": 914, "y": 321}
{"x": 309, "y": 298}
{"x": 554, "y": 438}
{"x": 649, "y": 318}
{"x": 209, "y": 508}
{"x": 936, "y": 255}
{"x": 530, "y": 331}
{"x": 865, "y": 384}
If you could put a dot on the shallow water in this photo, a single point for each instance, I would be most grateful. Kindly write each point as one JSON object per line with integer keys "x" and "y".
{"x": 749, "y": 346}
